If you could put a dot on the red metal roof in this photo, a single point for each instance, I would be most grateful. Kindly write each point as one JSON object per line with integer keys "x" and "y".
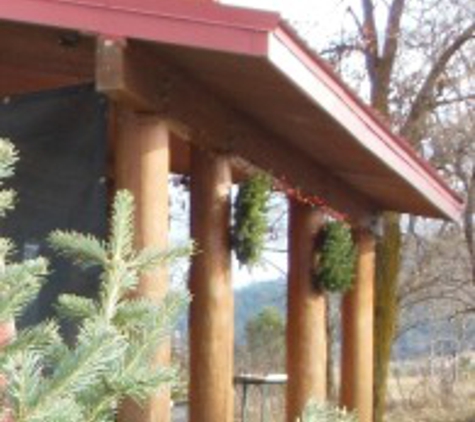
{"x": 204, "y": 37}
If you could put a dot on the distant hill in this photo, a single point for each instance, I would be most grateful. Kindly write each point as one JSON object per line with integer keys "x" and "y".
{"x": 252, "y": 298}
{"x": 249, "y": 301}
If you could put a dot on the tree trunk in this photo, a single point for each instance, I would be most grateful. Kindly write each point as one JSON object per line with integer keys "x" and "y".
{"x": 386, "y": 307}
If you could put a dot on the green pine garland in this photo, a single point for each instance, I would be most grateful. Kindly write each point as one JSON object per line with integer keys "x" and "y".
{"x": 250, "y": 219}
{"x": 334, "y": 258}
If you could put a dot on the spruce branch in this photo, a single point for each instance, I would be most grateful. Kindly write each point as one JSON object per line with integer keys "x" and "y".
{"x": 100, "y": 405}
{"x": 6, "y": 249}
{"x": 84, "y": 367}
{"x": 24, "y": 374}
{"x": 122, "y": 224}
{"x": 116, "y": 282}
{"x": 142, "y": 314}
{"x": 153, "y": 257}
{"x": 137, "y": 314}
{"x": 19, "y": 285}
{"x": 41, "y": 340}
{"x": 62, "y": 409}
{"x": 8, "y": 158}
{"x": 7, "y": 201}
{"x": 75, "y": 307}
{"x": 83, "y": 250}
{"x": 143, "y": 382}
{"x": 18, "y": 273}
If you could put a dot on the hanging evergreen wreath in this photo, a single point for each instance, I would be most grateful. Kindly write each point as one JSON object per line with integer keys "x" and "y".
{"x": 250, "y": 219}
{"x": 334, "y": 258}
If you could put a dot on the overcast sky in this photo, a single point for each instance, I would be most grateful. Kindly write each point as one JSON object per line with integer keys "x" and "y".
{"x": 317, "y": 19}
{"x": 292, "y": 8}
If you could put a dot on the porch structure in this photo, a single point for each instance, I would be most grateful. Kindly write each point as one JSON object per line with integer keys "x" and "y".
{"x": 199, "y": 88}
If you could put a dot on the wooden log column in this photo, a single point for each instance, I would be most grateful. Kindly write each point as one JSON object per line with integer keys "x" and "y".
{"x": 306, "y": 328}
{"x": 141, "y": 157}
{"x": 211, "y": 327}
{"x": 357, "y": 326}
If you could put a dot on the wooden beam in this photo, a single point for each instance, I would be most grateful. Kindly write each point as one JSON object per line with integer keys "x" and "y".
{"x": 36, "y": 58}
{"x": 306, "y": 315}
{"x": 211, "y": 325}
{"x": 141, "y": 156}
{"x": 134, "y": 74}
{"x": 357, "y": 337}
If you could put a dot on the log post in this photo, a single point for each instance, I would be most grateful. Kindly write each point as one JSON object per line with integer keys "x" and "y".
{"x": 306, "y": 319}
{"x": 141, "y": 157}
{"x": 357, "y": 326}
{"x": 211, "y": 327}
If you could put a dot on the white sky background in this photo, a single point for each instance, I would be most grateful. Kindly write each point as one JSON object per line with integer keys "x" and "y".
{"x": 302, "y": 9}
{"x": 316, "y": 16}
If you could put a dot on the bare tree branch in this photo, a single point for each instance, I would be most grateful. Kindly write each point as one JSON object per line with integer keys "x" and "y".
{"x": 453, "y": 100}
{"x": 421, "y": 105}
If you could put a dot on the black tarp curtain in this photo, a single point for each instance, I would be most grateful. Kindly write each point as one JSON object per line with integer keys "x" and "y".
{"x": 60, "y": 181}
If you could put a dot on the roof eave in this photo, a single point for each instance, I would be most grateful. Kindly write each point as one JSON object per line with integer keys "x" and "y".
{"x": 251, "y": 33}
{"x": 316, "y": 80}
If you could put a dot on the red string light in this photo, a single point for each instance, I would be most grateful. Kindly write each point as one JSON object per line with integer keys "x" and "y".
{"x": 311, "y": 200}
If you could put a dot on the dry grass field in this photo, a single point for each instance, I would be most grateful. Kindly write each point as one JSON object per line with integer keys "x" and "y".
{"x": 425, "y": 397}
{"x": 412, "y": 398}
{"x": 418, "y": 392}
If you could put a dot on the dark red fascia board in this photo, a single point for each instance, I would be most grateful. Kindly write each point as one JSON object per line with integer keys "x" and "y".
{"x": 181, "y": 22}
{"x": 238, "y": 31}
